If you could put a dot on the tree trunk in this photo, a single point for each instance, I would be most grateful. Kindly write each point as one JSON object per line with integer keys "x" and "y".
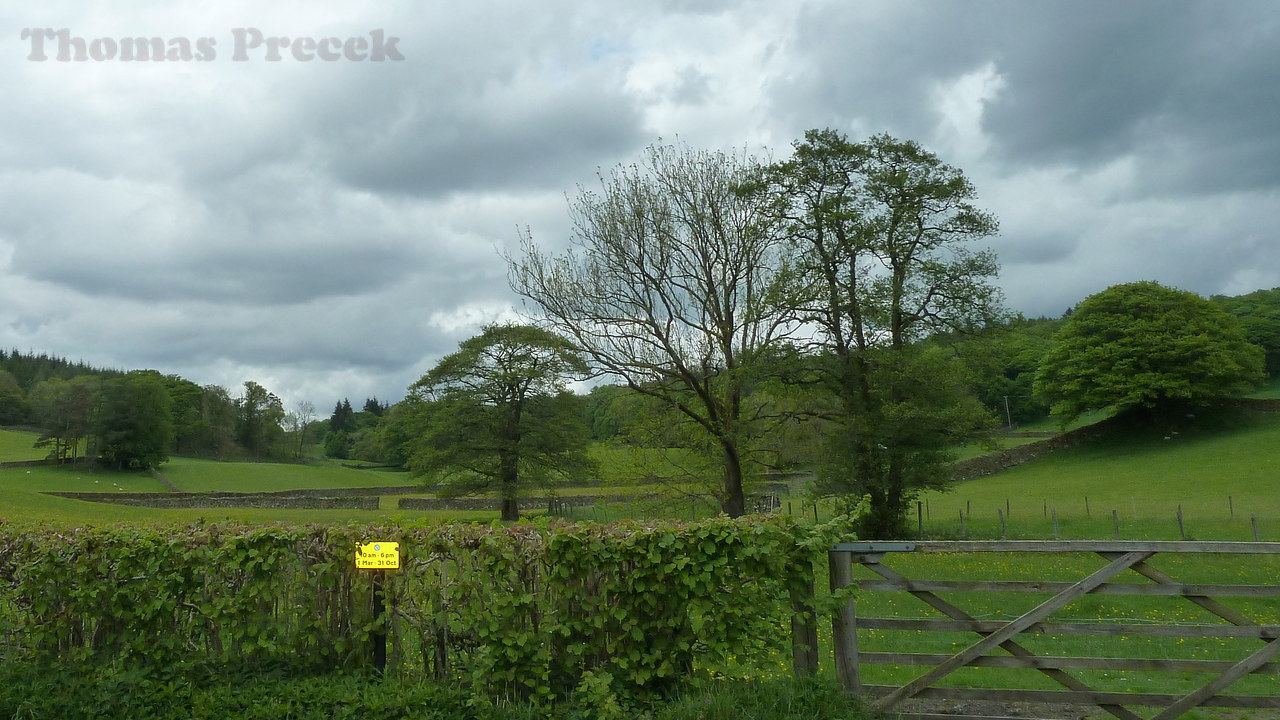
{"x": 508, "y": 488}
{"x": 885, "y": 517}
{"x": 734, "y": 501}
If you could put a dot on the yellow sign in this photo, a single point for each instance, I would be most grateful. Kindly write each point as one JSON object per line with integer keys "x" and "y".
{"x": 378, "y": 556}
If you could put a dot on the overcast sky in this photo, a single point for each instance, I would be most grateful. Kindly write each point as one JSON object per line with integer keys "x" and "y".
{"x": 332, "y": 227}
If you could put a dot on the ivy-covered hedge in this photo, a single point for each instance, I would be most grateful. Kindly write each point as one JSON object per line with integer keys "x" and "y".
{"x": 527, "y": 611}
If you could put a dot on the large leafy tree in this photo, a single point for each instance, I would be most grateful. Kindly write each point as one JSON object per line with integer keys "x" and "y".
{"x": 881, "y": 232}
{"x": 669, "y": 287}
{"x": 259, "y": 414}
{"x": 64, "y": 410}
{"x": 217, "y": 425}
{"x": 189, "y": 427}
{"x": 1147, "y": 346}
{"x": 134, "y": 425}
{"x": 497, "y": 415}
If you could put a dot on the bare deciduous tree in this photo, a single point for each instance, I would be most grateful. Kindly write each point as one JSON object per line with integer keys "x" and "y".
{"x": 669, "y": 286}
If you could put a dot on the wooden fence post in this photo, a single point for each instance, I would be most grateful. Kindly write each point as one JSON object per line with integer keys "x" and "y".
{"x": 844, "y": 622}
{"x": 379, "y": 616}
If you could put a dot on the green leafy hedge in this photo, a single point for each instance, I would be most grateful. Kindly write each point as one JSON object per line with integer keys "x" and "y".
{"x": 43, "y": 693}
{"x": 527, "y": 612}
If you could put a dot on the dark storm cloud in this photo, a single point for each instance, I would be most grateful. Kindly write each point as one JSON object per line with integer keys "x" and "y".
{"x": 876, "y": 61}
{"x": 1082, "y": 79}
{"x": 1188, "y": 85}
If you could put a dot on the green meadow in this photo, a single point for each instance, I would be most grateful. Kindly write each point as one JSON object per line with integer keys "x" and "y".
{"x": 1222, "y": 471}
{"x": 625, "y": 472}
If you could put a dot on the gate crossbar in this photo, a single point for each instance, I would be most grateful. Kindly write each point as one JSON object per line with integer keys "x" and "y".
{"x": 1120, "y": 556}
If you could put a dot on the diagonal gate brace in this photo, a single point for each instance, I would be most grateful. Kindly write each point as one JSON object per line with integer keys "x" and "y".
{"x": 1045, "y": 609}
{"x": 1013, "y": 648}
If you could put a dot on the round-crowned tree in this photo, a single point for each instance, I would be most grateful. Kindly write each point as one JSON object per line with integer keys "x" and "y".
{"x": 1146, "y": 345}
{"x": 497, "y": 415}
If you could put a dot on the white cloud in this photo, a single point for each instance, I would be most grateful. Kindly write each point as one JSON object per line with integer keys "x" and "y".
{"x": 960, "y": 103}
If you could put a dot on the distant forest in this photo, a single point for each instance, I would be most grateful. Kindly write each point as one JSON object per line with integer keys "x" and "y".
{"x": 139, "y": 418}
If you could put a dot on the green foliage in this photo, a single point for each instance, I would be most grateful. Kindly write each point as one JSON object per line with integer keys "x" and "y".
{"x": 134, "y": 424}
{"x": 30, "y": 369}
{"x": 13, "y": 401}
{"x": 762, "y": 700}
{"x": 1003, "y": 360}
{"x": 524, "y": 612}
{"x": 1145, "y": 345}
{"x": 190, "y": 427}
{"x": 1259, "y": 312}
{"x": 63, "y": 411}
{"x": 880, "y": 230}
{"x": 217, "y": 425}
{"x": 337, "y": 444}
{"x": 904, "y": 441}
{"x": 61, "y": 692}
{"x": 496, "y": 415}
{"x": 387, "y": 440}
{"x": 343, "y": 418}
{"x": 604, "y": 411}
{"x": 258, "y": 418}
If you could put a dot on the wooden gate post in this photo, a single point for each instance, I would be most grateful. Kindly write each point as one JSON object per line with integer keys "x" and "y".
{"x": 844, "y": 625}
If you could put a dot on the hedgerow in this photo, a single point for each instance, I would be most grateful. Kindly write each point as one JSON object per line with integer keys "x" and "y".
{"x": 528, "y": 612}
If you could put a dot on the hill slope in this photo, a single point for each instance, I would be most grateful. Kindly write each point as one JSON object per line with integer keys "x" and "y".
{"x": 1212, "y": 466}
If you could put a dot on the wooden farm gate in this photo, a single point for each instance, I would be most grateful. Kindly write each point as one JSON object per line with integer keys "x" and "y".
{"x": 1128, "y": 559}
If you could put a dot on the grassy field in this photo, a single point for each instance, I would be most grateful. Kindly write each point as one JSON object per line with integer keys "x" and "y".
{"x": 626, "y": 471}
{"x": 16, "y": 445}
{"x": 22, "y": 500}
{"x": 198, "y": 475}
{"x": 1223, "y": 472}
